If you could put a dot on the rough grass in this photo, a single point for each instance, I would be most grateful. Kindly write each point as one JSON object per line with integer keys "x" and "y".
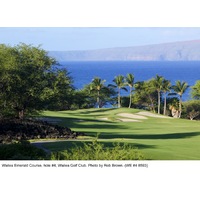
{"x": 156, "y": 138}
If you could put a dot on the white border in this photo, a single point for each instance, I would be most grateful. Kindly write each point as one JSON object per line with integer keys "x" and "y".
{"x": 100, "y": 13}
{"x": 163, "y": 179}
{"x": 160, "y": 180}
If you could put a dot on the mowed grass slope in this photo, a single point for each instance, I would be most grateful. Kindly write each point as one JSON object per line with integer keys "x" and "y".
{"x": 158, "y": 138}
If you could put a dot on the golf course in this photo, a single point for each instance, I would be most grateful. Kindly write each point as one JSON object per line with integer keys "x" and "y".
{"x": 157, "y": 137}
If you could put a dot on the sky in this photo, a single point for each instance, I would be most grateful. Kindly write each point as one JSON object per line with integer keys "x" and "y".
{"x": 88, "y": 38}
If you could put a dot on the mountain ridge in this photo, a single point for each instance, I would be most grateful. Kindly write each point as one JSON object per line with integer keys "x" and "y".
{"x": 173, "y": 51}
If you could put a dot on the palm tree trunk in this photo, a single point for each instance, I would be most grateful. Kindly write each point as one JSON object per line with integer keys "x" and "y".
{"x": 98, "y": 101}
{"x": 180, "y": 106}
{"x": 130, "y": 97}
{"x": 119, "y": 103}
{"x": 158, "y": 102}
{"x": 165, "y": 105}
{"x": 152, "y": 107}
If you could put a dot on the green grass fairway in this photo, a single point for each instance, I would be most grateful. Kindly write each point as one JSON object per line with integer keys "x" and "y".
{"x": 158, "y": 138}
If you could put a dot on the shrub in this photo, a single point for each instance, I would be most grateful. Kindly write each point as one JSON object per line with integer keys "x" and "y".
{"x": 21, "y": 151}
{"x": 191, "y": 109}
{"x": 97, "y": 151}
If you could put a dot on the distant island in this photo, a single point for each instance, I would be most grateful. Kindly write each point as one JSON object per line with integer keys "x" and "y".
{"x": 175, "y": 51}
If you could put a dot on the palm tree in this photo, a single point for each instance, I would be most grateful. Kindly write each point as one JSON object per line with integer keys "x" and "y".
{"x": 130, "y": 83}
{"x": 166, "y": 85}
{"x": 119, "y": 83}
{"x": 180, "y": 89}
{"x": 174, "y": 106}
{"x": 158, "y": 83}
{"x": 97, "y": 84}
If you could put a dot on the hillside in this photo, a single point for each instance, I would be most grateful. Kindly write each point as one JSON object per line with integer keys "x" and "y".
{"x": 176, "y": 51}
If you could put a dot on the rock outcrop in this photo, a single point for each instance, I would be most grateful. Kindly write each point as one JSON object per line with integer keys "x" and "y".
{"x": 16, "y": 129}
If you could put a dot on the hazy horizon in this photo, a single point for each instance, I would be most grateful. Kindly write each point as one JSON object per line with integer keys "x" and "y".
{"x": 133, "y": 46}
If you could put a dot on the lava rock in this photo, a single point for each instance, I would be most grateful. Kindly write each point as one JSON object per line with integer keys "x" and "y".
{"x": 17, "y": 129}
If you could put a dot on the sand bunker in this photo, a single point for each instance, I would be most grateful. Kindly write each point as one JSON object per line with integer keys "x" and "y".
{"x": 132, "y": 116}
{"x": 148, "y": 114}
{"x": 128, "y": 120}
{"x": 105, "y": 118}
{"x": 127, "y": 117}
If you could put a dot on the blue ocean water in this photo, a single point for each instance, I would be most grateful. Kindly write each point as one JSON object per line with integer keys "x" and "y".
{"x": 83, "y": 72}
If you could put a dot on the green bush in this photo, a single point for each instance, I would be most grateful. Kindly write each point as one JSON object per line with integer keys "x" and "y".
{"x": 97, "y": 151}
{"x": 21, "y": 151}
{"x": 191, "y": 109}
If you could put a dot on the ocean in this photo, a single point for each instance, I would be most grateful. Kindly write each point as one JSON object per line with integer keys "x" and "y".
{"x": 83, "y": 72}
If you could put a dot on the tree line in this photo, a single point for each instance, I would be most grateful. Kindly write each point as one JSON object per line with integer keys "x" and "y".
{"x": 154, "y": 94}
{"x": 31, "y": 81}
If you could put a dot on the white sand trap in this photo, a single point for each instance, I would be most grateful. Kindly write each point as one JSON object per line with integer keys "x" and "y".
{"x": 105, "y": 118}
{"x": 148, "y": 114}
{"x": 128, "y": 120}
{"x": 132, "y": 116}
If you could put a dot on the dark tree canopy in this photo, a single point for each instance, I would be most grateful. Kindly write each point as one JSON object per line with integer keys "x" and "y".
{"x": 27, "y": 80}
